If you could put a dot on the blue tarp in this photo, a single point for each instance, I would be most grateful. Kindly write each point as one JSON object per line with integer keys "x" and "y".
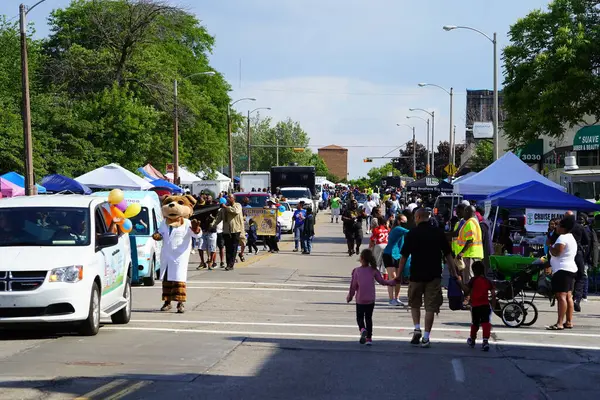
{"x": 58, "y": 183}
{"x": 19, "y": 180}
{"x": 167, "y": 185}
{"x": 534, "y": 194}
{"x": 146, "y": 175}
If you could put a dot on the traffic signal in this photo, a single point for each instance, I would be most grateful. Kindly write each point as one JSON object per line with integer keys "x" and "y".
{"x": 427, "y": 170}
{"x": 368, "y": 160}
{"x": 298, "y": 149}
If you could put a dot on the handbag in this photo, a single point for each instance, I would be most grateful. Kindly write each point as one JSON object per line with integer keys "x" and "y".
{"x": 544, "y": 285}
{"x": 460, "y": 264}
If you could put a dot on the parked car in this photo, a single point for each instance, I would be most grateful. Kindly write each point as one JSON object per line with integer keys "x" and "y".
{"x": 63, "y": 262}
{"x": 286, "y": 219}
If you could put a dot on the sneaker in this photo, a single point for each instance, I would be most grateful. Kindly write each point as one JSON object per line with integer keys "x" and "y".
{"x": 192, "y": 251}
{"x": 180, "y": 308}
{"x": 363, "y": 336}
{"x": 425, "y": 343}
{"x": 222, "y": 265}
{"x": 166, "y": 307}
{"x": 393, "y": 302}
{"x": 295, "y": 250}
{"x": 577, "y": 307}
{"x": 416, "y": 339}
{"x": 399, "y": 303}
{"x": 584, "y": 299}
{"x": 471, "y": 342}
{"x": 485, "y": 346}
{"x": 369, "y": 342}
{"x": 214, "y": 265}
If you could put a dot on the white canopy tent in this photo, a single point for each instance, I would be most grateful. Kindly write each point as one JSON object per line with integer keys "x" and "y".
{"x": 113, "y": 176}
{"x": 185, "y": 177}
{"x": 507, "y": 171}
{"x": 462, "y": 178}
{"x": 220, "y": 183}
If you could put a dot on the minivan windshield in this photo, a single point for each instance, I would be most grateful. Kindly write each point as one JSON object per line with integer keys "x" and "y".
{"x": 44, "y": 226}
{"x": 295, "y": 194}
{"x": 255, "y": 201}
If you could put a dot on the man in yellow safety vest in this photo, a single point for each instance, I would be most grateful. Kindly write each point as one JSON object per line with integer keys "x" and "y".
{"x": 469, "y": 242}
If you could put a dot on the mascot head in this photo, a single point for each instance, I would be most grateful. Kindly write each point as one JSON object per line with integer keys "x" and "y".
{"x": 177, "y": 208}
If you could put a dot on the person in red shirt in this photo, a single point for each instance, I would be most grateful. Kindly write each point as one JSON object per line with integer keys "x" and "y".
{"x": 479, "y": 287}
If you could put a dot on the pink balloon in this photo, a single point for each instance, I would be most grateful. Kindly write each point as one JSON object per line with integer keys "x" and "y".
{"x": 122, "y": 206}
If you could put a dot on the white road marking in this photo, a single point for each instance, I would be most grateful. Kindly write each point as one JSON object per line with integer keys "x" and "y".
{"x": 253, "y": 288}
{"x": 336, "y": 336}
{"x": 271, "y": 284}
{"x": 395, "y": 328}
{"x": 459, "y": 371}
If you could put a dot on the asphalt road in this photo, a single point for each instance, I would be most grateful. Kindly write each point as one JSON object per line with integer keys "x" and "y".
{"x": 278, "y": 327}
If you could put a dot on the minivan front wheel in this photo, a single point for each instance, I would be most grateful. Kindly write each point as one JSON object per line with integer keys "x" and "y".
{"x": 91, "y": 325}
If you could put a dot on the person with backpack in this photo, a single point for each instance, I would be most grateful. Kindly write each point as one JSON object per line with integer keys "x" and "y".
{"x": 363, "y": 286}
{"x": 481, "y": 307}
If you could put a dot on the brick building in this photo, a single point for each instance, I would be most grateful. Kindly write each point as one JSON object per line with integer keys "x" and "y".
{"x": 336, "y": 158}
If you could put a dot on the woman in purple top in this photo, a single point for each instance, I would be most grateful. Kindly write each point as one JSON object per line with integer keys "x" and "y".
{"x": 363, "y": 285}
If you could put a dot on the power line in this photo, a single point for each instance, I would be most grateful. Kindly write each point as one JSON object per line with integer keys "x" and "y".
{"x": 329, "y": 92}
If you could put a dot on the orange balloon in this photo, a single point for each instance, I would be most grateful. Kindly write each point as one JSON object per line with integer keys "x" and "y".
{"x": 117, "y": 214}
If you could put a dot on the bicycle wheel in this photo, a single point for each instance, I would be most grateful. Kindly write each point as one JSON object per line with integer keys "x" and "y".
{"x": 531, "y": 313}
{"x": 513, "y": 315}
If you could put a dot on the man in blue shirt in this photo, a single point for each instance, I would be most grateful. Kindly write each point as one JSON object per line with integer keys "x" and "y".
{"x": 325, "y": 198}
{"x": 299, "y": 217}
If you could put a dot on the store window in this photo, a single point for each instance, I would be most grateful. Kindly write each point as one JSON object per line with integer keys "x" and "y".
{"x": 588, "y": 158}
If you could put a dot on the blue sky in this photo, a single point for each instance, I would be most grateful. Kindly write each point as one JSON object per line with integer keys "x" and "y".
{"x": 347, "y": 70}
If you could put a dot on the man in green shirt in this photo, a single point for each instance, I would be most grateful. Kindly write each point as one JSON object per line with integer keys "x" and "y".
{"x": 336, "y": 203}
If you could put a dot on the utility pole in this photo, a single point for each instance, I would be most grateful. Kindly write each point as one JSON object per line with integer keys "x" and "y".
{"x": 414, "y": 143}
{"x": 30, "y": 188}
{"x": 175, "y": 137}
{"x": 428, "y": 165}
{"x": 433, "y": 143}
{"x": 454, "y": 146}
{"x": 495, "y": 42}
{"x": 248, "y": 140}
{"x": 230, "y": 144}
{"x": 277, "y": 149}
{"x": 451, "y": 125}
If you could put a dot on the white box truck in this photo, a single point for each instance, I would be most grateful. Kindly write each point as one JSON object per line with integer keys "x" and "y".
{"x": 254, "y": 181}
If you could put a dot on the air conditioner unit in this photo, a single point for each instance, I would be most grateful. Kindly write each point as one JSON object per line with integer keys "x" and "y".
{"x": 571, "y": 163}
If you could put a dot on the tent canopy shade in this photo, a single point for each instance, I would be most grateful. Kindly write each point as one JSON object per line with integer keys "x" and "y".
{"x": 534, "y": 194}
{"x": 504, "y": 173}
{"x": 160, "y": 183}
{"x": 56, "y": 183}
{"x": 19, "y": 180}
{"x": 113, "y": 176}
{"x": 429, "y": 184}
{"x": 9, "y": 189}
{"x": 185, "y": 176}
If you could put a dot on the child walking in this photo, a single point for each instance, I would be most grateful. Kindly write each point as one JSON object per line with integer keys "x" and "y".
{"x": 478, "y": 287}
{"x": 252, "y": 236}
{"x": 363, "y": 285}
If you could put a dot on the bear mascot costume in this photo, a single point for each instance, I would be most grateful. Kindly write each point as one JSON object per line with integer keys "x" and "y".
{"x": 176, "y": 232}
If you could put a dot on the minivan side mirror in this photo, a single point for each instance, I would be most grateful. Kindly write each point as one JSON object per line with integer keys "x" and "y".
{"x": 107, "y": 240}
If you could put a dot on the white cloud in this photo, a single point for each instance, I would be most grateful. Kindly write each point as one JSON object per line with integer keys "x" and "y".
{"x": 353, "y": 112}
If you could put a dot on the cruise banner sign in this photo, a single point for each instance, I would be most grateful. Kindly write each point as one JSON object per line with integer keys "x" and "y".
{"x": 536, "y": 220}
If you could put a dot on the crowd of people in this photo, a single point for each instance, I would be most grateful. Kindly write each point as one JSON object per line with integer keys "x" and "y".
{"x": 408, "y": 243}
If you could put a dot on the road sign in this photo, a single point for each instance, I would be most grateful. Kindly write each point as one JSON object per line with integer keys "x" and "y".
{"x": 450, "y": 169}
{"x": 483, "y": 130}
{"x": 170, "y": 168}
{"x": 243, "y": 158}
{"x": 419, "y": 171}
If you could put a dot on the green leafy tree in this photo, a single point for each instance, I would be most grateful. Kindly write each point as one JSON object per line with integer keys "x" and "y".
{"x": 552, "y": 66}
{"x": 483, "y": 156}
{"x": 442, "y": 157}
{"x": 404, "y": 164}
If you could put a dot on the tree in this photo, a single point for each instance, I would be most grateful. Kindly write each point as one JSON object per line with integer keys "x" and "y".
{"x": 483, "y": 156}
{"x": 552, "y": 67}
{"x": 404, "y": 164}
{"x": 442, "y": 156}
{"x": 375, "y": 175}
{"x": 102, "y": 89}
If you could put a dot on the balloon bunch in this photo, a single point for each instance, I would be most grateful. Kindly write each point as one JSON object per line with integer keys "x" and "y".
{"x": 120, "y": 211}
{"x": 280, "y": 210}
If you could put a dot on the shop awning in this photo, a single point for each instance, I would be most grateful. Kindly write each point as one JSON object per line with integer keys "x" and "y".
{"x": 587, "y": 138}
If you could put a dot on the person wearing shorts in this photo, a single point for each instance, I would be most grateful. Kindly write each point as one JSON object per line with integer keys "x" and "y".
{"x": 391, "y": 257}
{"x": 427, "y": 246}
{"x": 209, "y": 244}
{"x": 564, "y": 272}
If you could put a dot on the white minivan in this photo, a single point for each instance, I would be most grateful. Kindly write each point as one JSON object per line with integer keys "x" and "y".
{"x": 61, "y": 261}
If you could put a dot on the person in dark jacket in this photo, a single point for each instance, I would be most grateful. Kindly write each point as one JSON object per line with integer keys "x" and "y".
{"x": 589, "y": 242}
{"x": 252, "y": 236}
{"x": 583, "y": 240}
{"x": 488, "y": 246}
{"x": 309, "y": 231}
{"x": 353, "y": 223}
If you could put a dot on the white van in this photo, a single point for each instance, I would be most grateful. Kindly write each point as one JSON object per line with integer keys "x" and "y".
{"x": 62, "y": 262}
{"x": 145, "y": 251}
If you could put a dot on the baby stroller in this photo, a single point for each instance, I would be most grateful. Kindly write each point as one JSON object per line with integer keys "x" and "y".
{"x": 511, "y": 305}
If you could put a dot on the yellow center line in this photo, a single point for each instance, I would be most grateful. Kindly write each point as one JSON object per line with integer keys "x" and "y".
{"x": 128, "y": 390}
{"x": 102, "y": 389}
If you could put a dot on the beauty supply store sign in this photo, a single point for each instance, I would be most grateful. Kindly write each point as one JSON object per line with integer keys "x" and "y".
{"x": 536, "y": 220}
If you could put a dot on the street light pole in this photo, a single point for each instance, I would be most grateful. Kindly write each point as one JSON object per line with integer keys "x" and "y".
{"x": 494, "y": 41}
{"x": 426, "y": 121}
{"x": 229, "y": 138}
{"x": 451, "y": 142}
{"x": 414, "y": 154}
{"x": 433, "y": 143}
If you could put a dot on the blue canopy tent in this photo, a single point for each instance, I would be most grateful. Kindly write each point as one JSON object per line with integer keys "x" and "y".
{"x": 534, "y": 194}
{"x": 58, "y": 183}
{"x": 19, "y": 180}
{"x": 160, "y": 183}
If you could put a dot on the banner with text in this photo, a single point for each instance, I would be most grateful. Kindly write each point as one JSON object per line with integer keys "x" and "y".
{"x": 536, "y": 220}
{"x": 266, "y": 220}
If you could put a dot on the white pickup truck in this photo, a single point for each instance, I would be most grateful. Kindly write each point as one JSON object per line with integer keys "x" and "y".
{"x": 295, "y": 195}
{"x": 61, "y": 261}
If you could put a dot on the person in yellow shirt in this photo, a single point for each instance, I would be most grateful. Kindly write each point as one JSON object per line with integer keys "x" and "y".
{"x": 469, "y": 242}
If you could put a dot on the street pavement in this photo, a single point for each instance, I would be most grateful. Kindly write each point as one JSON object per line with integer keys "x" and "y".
{"x": 278, "y": 326}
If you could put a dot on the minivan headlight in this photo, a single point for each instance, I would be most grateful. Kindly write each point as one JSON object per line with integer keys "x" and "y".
{"x": 71, "y": 274}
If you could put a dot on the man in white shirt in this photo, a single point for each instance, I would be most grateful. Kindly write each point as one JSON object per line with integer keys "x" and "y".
{"x": 376, "y": 198}
{"x": 368, "y": 206}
